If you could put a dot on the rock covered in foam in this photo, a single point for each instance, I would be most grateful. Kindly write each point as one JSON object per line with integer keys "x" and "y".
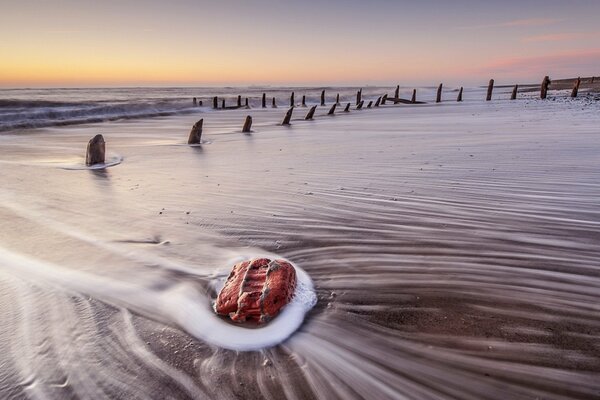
{"x": 256, "y": 290}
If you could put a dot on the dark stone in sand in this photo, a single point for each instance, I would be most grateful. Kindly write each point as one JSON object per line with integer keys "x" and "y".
{"x": 96, "y": 150}
{"x": 310, "y": 113}
{"x": 288, "y": 116}
{"x": 196, "y": 133}
{"x": 257, "y": 290}
{"x": 247, "y": 124}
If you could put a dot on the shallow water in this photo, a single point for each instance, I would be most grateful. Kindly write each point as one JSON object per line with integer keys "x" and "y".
{"x": 453, "y": 248}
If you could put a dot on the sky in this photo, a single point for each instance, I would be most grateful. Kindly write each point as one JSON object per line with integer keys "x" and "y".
{"x": 66, "y": 43}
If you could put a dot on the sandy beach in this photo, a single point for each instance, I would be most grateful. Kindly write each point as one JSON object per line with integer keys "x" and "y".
{"x": 453, "y": 250}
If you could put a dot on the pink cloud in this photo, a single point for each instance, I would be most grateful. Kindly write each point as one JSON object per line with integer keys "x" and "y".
{"x": 518, "y": 23}
{"x": 560, "y": 65}
{"x": 560, "y": 37}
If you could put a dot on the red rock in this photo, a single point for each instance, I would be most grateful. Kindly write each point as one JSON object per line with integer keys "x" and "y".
{"x": 256, "y": 290}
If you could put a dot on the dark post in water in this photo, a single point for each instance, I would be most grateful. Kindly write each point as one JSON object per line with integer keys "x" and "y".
{"x": 438, "y": 98}
{"x": 196, "y": 133}
{"x": 288, "y": 116}
{"x": 360, "y": 105}
{"x": 274, "y": 103}
{"x": 247, "y": 124}
{"x": 215, "y": 102}
{"x": 460, "y": 92}
{"x": 96, "y": 150}
{"x": 576, "y": 88}
{"x": 323, "y": 98}
{"x": 264, "y": 100}
{"x": 413, "y": 99}
{"x": 223, "y": 103}
{"x": 239, "y": 102}
{"x": 384, "y": 99}
{"x": 358, "y": 96}
{"x": 310, "y": 113}
{"x": 337, "y": 99}
{"x": 544, "y": 88}
{"x": 378, "y": 101}
{"x": 490, "y": 90}
{"x": 246, "y": 103}
{"x": 195, "y": 101}
{"x": 332, "y": 109}
{"x": 292, "y": 100}
{"x": 513, "y": 95}
{"x": 397, "y": 92}
{"x": 370, "y": 104}
{"x": 303, "y": 100}
{"x": 347, "y": 109}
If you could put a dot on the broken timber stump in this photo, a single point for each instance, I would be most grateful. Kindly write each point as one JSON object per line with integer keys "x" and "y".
{"x": 413, "y": 99}
{"x": 288, "y": 116}
{"x": 397, "y": 92}
{"x": 195, "y": 101}
{"x": 544, "y": 88}
{"x": 215, "y": 102}
{"x": 332, "y": 109}
{"x": 303, "y": 100}
{"x": 223, "y": 103}
{"x": 347, "y": 109}
{"x": 337, "y": 99}
{"x": 513, "y": 95}
{"x": 274, "y": 103}
{"x": 370, "y": 104}
{"x": 358, "y": 96}
{"x": 378, "y": 101}
{"x": 438, "y": 98}
{"x": 384, "y": 99}
{"x": 239, "y": 102}
{"x": 460, "y": 92}
{"x": 246, "y": 103}
{"x": 310, "y": 113}
{"x": 576, "y": 88}
{"x": 323, "y": 98}
{"x": 96, "y": 150}
{"x": 264, "y": 100}
{"x": 360, "y": 105}
{"x": 490, "y": 90}
{"x": 292, "y": 100}
{"x": 196, "y": 133}
{"x": 247, "y": 124}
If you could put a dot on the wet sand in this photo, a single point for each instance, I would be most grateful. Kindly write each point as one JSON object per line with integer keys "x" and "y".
{"x": 454, "y": 250}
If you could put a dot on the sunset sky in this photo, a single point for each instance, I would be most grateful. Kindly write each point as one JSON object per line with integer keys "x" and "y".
{"x": 253, "y": 42}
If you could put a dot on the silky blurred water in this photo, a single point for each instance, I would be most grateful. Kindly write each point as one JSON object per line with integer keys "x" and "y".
{"x": 453, "y": 249}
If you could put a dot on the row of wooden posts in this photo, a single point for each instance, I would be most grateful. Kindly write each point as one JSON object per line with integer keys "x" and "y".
{"x": 96, "y": 146}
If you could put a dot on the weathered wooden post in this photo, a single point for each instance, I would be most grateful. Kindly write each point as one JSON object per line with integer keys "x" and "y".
{"x": 223, "y": 103}
{"x": 358, "y": 96}
{"x": 490, "y": 90}
{"x": 292, "y": 100}
{"x": 264, "y": 100}
{"x": 360, "y": 105}
{"x": 438, "y": 98}
{"x": 239, "y": 102}
{"x": 347, "y": 109}
{"x": 413, "y": 99}
{"x": 96, "y": 150}
{"x": 513, "y": 95}
{"x": 384, "y": 99}
{"x": 274, "y": 103}
{"x": 544, "y": 87}
{"x": 378, "y": 101}
{"x": 397, "y": 92}
{"x": 246, "y": 103}
{"x": 196, "y": 133}
{"x": 200, "y": 103}
{"x": 247, "y": 124}
{"x": 215, "y": 102}
{"x": 370, "y": 104}
{"x": 310, "y": 113}
{"x": 288, "y": 116}
{"x": 460, "y": 92}
{"x": 323, "y": 98}
{"x": 576, "y": 88}
{"x": 303, "y": 100}
{"x": 337, "y": 99}
{"x": 195, "y": 101}
{"x": 332, "y": 109}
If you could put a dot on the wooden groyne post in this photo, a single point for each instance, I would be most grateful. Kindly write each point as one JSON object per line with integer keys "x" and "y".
{"x": 247, "y": 124}
{"x": 544, "y": 87}
{"x": 96, "y": 150}
{"x": 239, "y": 101}
{"x": 413, "y": 99}
{"x": 360, "y": 105}
{"x": 347, "y": 109}
{"x": 337, "y": 99}
{"x": 292, "y": 100}
{"x": 490, "y": 90}
{"x": 223, "y": 103}
{"x": 264, "y": 100}
{"x": 358, "y": 96}
{"x": 274, "y": 103}
{"x": 332, "y": 109}
{"x": 438, "y": 98}
{"x": 513, "y": 95}
{"x": 196, "y": 133}
{"x": 215, "y": 102}
{"x": 288, "y": 116}
{"x": 246, "y": 103}
{"x": 195, "y": 101}
{"x": 384, "y": 99}
{"x": 460, "y": 92}
{"x": 370, "y": 104}
{"x": 397, "y": 92}
{"x": 378, "y": 102}
{"x": 303, "y": 100}
{"x": 323, "y": 98}
{"x": 576, "y": 88}
{"x": 310, "y": 114}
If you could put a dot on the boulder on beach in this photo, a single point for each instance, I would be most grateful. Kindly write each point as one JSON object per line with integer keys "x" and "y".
{"x": 256, "y": 290}
{"x": 96, "y": 150}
